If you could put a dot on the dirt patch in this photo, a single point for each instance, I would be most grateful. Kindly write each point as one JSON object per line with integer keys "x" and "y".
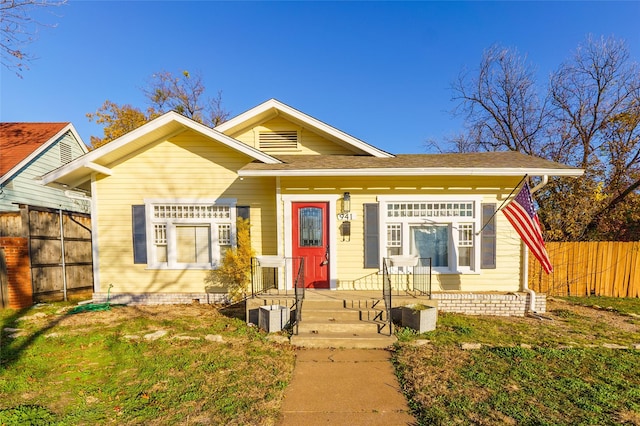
{"x": 119, "y": 314}
{"x": 557, "y": 307}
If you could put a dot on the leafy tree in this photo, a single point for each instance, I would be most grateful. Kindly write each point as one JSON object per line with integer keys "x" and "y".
{"x": 233, "y": 274}
{"x": 165, "y": 92}
{"x": 117, "y": 121}
{"x": 588, "y": 118}
{"x": 18, "y": 29}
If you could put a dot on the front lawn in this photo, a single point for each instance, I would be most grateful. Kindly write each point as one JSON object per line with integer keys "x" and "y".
{"x": 566, "y": 369}
{"x": 98, "y": 367}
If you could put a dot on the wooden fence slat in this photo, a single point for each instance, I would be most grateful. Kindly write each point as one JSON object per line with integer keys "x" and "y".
{"x": 602, "y": 268}
{"x": 635, "y": 270}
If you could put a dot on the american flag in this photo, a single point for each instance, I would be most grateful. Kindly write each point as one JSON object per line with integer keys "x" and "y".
{"x": 522, "y": 215}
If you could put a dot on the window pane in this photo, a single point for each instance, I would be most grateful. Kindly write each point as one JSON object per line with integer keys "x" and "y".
{"x": 192, "y": 244}
{"x": 394, "y": 235}
{"x": 310, "y": 227}
{"x": 394, "y": 251}
{"x": 161, "y": 253}
{"x": 464, "y": 256}
{"x": 431, "y": 241}
{"x": 465, "y": 235}
{"x": 465, "y": 244}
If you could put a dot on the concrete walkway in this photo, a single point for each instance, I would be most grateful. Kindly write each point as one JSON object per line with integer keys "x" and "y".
{"x": 344, "y": 387}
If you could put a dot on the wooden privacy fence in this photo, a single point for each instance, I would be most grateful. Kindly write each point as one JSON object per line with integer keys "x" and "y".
{"x": 59, "y": 250}
{"x": 601, "y": 268}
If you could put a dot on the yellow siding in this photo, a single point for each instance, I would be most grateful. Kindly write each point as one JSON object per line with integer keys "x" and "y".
{"x": 187, "y": 166}
{"x": 309, "y": 143}
{"x": 350, "y": 255}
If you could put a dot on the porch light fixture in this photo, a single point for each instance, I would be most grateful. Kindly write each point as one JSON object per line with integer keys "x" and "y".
{"x": 346, "y": 202}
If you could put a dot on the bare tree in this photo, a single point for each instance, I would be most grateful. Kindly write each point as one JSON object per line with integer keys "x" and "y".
{"x": 19, "y": 29}
{"x": 500, "y": 105}
{"x": 185, "y": 95}
{"x": 589, "y": 118}
{"x": 596, "y": 103}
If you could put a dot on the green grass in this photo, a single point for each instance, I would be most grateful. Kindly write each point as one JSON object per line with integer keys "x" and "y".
{"x": 617, "y": 304}
{"x": 528, "y": 371}
{"x": 88, "y": 369}
{"x": 92, "y": 372}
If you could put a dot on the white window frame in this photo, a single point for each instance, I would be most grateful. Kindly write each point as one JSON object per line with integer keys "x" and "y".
{"x": 451, "y": 221}
{"x": 170, "y": 232}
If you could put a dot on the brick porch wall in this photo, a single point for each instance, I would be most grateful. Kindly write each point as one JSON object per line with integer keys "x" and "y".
{"x": 502, "y": 304}
{"x": 160, "y": 298}
{"x": 20, "y": 290}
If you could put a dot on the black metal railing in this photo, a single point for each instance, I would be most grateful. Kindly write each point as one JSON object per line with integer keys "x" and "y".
{"x": 298, "y": 289}
{"x": 409, "y": 278}
{"x": 280, "y": 274}
{"x": 263, "y": 278}
{"x": 386, "y": 295}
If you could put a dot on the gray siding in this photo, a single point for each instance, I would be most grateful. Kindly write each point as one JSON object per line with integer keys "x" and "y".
{"x": 24, "y": 188}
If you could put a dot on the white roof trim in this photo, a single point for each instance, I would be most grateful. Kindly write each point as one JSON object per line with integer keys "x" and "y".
{"x": 308, "y": 120}
{"x": 443, "y": 171}
{"x": 89, "y": 160}
{"x": 68, "y": 128}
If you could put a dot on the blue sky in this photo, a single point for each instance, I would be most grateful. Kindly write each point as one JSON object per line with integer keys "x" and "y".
{"x": 380, "y": 71}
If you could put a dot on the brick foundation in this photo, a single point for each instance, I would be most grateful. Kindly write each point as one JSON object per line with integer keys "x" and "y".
{"x": 20, "y": 290}
{"x": 502, "y": 304}
{"x": 160, "y": 298}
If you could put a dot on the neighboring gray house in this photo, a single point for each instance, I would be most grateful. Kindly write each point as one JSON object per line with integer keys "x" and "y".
{"x": 29, "y": 151}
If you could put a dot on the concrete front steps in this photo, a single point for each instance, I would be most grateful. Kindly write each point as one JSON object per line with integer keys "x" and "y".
{"x": 336, "y": 323}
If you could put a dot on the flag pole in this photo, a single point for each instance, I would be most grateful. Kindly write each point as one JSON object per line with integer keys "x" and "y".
{"x": 503, "y": 203}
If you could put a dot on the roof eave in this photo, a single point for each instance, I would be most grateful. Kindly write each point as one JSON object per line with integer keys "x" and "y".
{"x": 90, "y": 161}
{"x": 415, "y": 172}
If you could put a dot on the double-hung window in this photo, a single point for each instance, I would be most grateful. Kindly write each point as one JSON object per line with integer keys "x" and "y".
{"x": 441, "y": 229}
{"x": 189, "y": 234}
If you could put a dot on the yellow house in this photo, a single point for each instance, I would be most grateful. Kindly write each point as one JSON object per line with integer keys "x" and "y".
{"x": 165, "y": 198}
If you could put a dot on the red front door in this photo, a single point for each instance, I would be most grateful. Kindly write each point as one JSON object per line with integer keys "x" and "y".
{"x": 311, "y": 241}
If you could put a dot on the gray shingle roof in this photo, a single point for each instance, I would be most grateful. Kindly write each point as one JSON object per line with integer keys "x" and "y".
{"x": 410, "y": 163}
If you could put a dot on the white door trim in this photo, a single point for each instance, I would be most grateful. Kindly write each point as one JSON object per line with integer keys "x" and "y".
{"x": 332, "y": 199}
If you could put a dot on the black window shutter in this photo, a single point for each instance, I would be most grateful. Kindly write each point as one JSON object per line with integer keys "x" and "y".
{"x": 371, "y": 236}
{"x": 488, "y": 237}
{"x": 243, "y": 212}
{"x": 139, "y": 234}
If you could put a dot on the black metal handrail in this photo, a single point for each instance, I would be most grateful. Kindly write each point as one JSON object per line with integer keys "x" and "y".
{"x": 386, "y": 294}
{"x": 298, "y": 289}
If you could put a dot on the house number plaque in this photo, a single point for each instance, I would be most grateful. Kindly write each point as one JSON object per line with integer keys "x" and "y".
{"x": 346, "y": 216}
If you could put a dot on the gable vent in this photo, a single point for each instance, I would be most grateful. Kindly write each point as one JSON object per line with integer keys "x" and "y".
{"x": 65, "y": 153}
{"x": 279, "y": 140}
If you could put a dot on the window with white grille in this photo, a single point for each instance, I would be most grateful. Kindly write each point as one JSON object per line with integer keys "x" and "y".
{"x": 190, "y": 211}
{"x": 394, "y": 239}
{"x": 441, "y": 230}
{"x": 190, "y": 235}
{"x": 465, "y": 244}
{"x": 224, "y": 234}
{"x": 430, "y": 210}
{"x": 160, "y": 242}
{"x": 278, "y": 140}
{"x": 66, "y": 155}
